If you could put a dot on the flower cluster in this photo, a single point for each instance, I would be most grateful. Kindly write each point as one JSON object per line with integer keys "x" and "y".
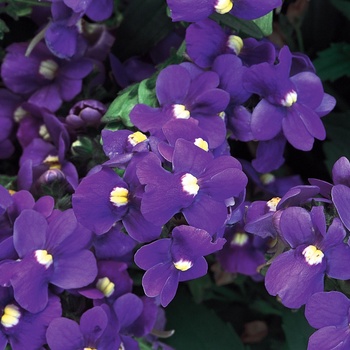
{"x": 94, "y": 207}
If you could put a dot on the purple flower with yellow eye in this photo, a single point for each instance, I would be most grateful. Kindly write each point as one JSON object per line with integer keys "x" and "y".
{"x": 104, "y": 198}
{"x": 200, "y": 186}
{"x": 192, "y": 11}
{"x": 54, "y": 252}
{"x": 293, "y": 105}
{"x": 185, "y": 92}
{"x": 315, "y": 252}
{"x": 169, "y": 261}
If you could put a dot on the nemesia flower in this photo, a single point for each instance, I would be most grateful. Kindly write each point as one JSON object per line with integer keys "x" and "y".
{"x": 199, "y": 186}
{"x": 315, "y": 252}
{"x": 18, "y": 327}
{"x": 54, "y": 252}
{"x": 169, "y": 261}
{"x": 45, "y": 79}
{"x": 189, "y": 11}
{"x": 288, "y": 104}
{"x": 329, "y": 314}
{"x": 185, "y": 92}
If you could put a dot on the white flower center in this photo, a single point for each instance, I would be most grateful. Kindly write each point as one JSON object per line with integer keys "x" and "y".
{"x": 267, "y": 178}
{"x": 239, "y": 239}
{"x": 272, "y": 203}
{"x": 183, "y": 265}
{"x": 43, "y": 257}
{"x": 48, "y": 69}
{"x": 136, "y": 138}
{"x": 202, "y": 144}
{"x": 235, "y": 43}
{"x": 180, "y": 112}
{"x": 10, "y": 316}
{"x": 119, "y": 196}
{"x": 289, "y": 99}
{"x": 189, "y": 184}
{"x": 105, "y": 286}
{"x": 19, "y": 114}
{"x": 313, "y": 256}
{"x": 223, "y": 6}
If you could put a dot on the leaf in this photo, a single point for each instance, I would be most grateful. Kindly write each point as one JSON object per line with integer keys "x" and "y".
{"x": 343, "y": 6}
{"x": 338, "y": 142}
{"x": 334, "y": 62}
{"x": 3, "y": 29}
{"x": 265, "y": 23}
{"x": 7, "y": 181}
{"x": 146, "y": 92}
{"x": 198, "y": 328}
{"x": 240, "y": 25}
{"x": 296, "y": 329}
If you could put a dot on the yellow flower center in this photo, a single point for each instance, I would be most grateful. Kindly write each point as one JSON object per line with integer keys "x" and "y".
{"x": 48, "y": 69}
{"x": 183, "y": 265}
{"x": 240, "y": 239}
{"x": 313, "y": 256}
{"x": 180, "y": 112}
{"x": 10, "y": 316}
{"x": 119, "y": 196}
{"x": 272, "y": 203}
{"x": 223, "y": 6}
{"x": 19, "y": 114}
{"x": 289, "y": 99}
{"x": 105, "y": 286}
{"x": 53, "y": 162}
{"x": 43, "y": 257}
{"x": 189, "y": 184}
{"x": 235, "y": 43}
{"x": 136, "y": 138}
{"x": 202, "y": 144}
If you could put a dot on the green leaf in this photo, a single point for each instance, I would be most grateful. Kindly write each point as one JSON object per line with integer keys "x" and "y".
{"x": 119, "y": 110}
{"x": 199, "y": 286}
{"x": 248, "y": 28}
{"x": 334, "y": 62}
{"x": 3, "y": 29}
{"x": 7, "y": 181}
{"x": 265, "y": 23}
{"x": 146, "y": 92}
{"x": 198, "y": 328}
{"x": 296, "y": 329}
{"x": 343, "y": 6}
{"x": 338, "y": 142}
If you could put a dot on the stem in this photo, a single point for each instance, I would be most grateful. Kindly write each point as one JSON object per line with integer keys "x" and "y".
{"x": 31, "y": 2}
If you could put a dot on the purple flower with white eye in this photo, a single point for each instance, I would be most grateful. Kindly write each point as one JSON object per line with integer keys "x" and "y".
{"x": 185, "y": 92}
{"x": 192, "y": 11}
{"x": 315, "y": 252}
{"x": 293, "y": 105}
{"x": 103, "y": 198}
{"x": 54, "y": 252}
{"x": 329, "y": 313}
{"x": 169, "y": 261}
{"x": 200, "y": 186}
{"x": 18, "y": 327}
{"x": 45, "y": 79}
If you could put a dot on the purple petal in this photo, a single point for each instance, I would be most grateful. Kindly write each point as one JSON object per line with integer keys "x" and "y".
{"x": 330, "y": 337}
{"x": 93, "y": 323}
{"x": 341, "y": 199}
{"x": 128, "y": 308}
{"x": 341, "y": 172}
{"x": 251, "y": 9}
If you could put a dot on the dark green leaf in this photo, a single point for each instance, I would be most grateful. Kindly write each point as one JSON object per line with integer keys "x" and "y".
{"x": 343, "y": 6}
{"x": 7, "y": 181}
{"x": 146, "y": 93}
{"x": 198, "y": 328}
{"x": 3, "y": 29}
{"x": 296, "y": 329}
{"x": 265, "y": 23}
{"x": 242, "y": 26}
{"x": 333, "y": 62}
{"x": 198, "y": 287}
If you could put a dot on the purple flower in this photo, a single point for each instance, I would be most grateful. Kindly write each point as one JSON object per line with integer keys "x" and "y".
{"x": 190, "y": 11}
{"x": 329, "y": 314}
{"x": 169, "y": 261}
{"x": 200, "y": 186}
{"x": 315, "y": 252}
{"x": 185, "y": 92}
{"x": 53, "y": 252}
{"x": 288, "y": 104}
{"x": 45, "y": 79}
{"x": 18, "y": 327}
{"x": 103, "y": 198}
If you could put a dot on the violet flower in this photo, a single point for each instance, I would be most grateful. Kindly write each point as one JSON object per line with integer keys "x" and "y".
{"x": 200, "y": 186}
{"x": 329, "y": 314}
{"x": 189, "y": 11}
{"x": 54, "y": 252}
{"x": 169, "y": 261}
{"x": 288, "y": 104}
{"x": 315, "y": 252}
{"x": 45, "y": 79}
